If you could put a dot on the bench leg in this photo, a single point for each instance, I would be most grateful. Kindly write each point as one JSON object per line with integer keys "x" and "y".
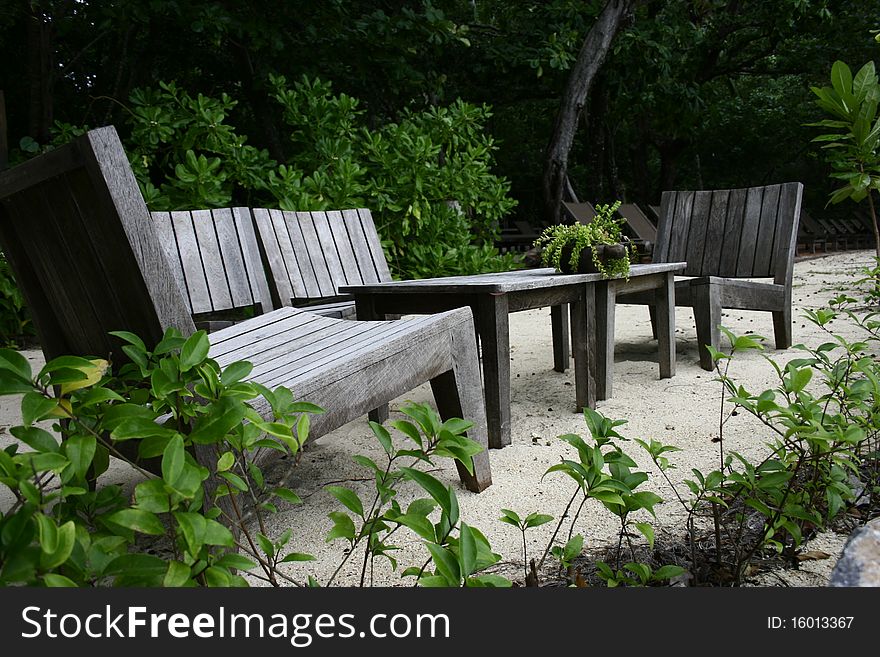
{"x": 559, "y": 323}
{"x": 459, "y": 393}
{"x": 583, "y": 341}
{"x": 707, "y": 314}
{"x": 365, "y": 311}
{"x": 492, "y": 325}
{"x": 665, "y": 326}
{"x": 606, "y": 303}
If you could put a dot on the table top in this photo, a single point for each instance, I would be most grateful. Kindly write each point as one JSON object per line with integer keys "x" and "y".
{"x": 502, "y": 282}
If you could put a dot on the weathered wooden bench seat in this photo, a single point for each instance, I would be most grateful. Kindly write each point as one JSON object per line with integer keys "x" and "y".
{"x": 88, "y": 258}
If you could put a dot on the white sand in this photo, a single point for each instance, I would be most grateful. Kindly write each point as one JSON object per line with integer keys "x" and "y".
{"x": 682, "y": 411}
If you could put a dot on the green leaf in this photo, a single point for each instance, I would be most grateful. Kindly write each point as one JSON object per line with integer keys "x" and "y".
{"x": 382, "y": 436}
{"x": 54, "y": 580}
{"x": 80, "y": 451}
{"x": 493, "y": 581}
{"x": 348, "y": 498}
{"x": 173, "y": 459}
{"x": 217, "y": 534}
{"x": 137, "y": 565}
{"x": 224, "y": 415}
{"x": 235, "y": 480}
{"x": 152, "y": 496}
{"x": 510, "y": 517}
{"x": 178, "y": 575}
{"x": 39, "y": 439}
{"x": 573, "y": 548}
{"x": 137, "y": 520}
{"x": 131, "y": 338}
{"x": 287, "y": 495}
{"x": 48, "y": 533}
{"x": 226, "y": 461}
{"x": 194, "y": 350}
{"x": 13, "y": 362}
{"x": 800, "y": 379}
{"x": 419, "y": 524}
{"x": 446, "y": 564}
{"x": 12, "y": 384}
{"x": 236, "y": 372}
{"x": 537, "y": 519}
{"x": 343, "y": 526}
{"x": 266, "y": 545}
{"x": 841, "y": 78}
{"x": 647, "y": 531}
{"x": 297, "y": 556}
{"x": 236, "y": 561}
{"x": 34, "y": 407}
{"x": 667, "y": 572}
{"x": 467, "y": 550}
{"x": 192, "y": 526}
{"x": 432, "y": 486}
{"x": 408, "y": 429}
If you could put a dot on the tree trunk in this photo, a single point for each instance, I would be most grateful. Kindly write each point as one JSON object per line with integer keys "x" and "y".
{"x": 670, "y": 151}
{"x": 39, "y": 45}
{"x": 589, "y": 61}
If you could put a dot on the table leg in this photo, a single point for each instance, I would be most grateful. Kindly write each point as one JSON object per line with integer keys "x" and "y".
{"x": 492, "y": 326}
{"x": 365, "y": 309}
{"x": 559, "y": 324}
{"x": 583, "y": 342}
{"x": 665, "y": 306}
{"x": 606, "y": 303}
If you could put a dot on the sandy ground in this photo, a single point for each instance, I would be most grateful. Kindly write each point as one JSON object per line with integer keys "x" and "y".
{"x": 682, "y": 411}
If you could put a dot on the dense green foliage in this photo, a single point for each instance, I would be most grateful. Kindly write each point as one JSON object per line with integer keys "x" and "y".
{"x": 853, "y": 148}
{"x": 708, "y": 94}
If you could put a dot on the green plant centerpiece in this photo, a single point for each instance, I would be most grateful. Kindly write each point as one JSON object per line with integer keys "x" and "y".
{"x": 598, "y": 246}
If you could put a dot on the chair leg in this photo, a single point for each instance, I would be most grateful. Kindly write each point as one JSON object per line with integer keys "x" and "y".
{"x": 652, "y": 310}
{"x": 707, "y": 315}
{"x": 365, "y": 310}
{"x": 379, "y": 414}
{"x": 559, "y": 324}
{"x": 459, "y": 393}
{"x": 782, "y": 327}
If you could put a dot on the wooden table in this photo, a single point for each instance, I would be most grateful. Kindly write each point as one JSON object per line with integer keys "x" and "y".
{"x": 493, "y": 296}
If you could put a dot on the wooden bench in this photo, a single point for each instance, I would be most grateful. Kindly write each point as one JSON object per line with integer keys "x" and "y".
{"x": 88, "y": 258}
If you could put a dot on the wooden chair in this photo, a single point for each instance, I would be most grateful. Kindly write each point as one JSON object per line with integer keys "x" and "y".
{"x": 728, "y": 236}
{"x": 88, "y": 258}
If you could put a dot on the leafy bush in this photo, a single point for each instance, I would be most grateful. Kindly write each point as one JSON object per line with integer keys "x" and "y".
{"x": 63, "y": 530}
{"x": 427, "y": 179}
{"x": 67, "y": 528}
{"x": 14, "y": 321}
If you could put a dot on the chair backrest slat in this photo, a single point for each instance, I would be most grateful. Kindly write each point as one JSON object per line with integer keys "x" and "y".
{"x": 78, "y": 235}
{"x": 738, "y": 233}
{"x": 311, "y": 254}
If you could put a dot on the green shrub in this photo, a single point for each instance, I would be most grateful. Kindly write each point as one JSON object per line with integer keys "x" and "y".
{"x": 66, "y": 527}
{"x": 427, "y": 179}
{"x": 14, "y": 321}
